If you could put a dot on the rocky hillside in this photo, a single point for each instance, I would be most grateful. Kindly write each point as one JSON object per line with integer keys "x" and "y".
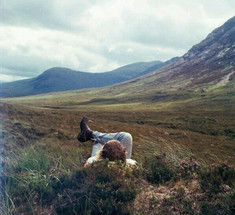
{"x": 212, "y": 61}
{"x": 209, "y": 63}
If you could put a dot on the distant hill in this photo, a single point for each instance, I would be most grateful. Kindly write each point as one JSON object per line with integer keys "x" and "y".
{"x": 62, "y": 79}
{"x": 158, "y": 66}
{"x": 134, "y": 70}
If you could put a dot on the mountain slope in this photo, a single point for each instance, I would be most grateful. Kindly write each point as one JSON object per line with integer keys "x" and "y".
{"x": 209, "y": 63}
{"x": 61, "y": 79}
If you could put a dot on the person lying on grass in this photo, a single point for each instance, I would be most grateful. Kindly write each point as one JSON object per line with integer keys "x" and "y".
{"x": 100, "y": 139}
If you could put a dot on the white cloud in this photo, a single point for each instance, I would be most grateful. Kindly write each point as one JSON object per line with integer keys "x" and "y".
{"x": 9, "y": 78}
{"x": 130, "y": 50}
{"x": 101, "y": 35}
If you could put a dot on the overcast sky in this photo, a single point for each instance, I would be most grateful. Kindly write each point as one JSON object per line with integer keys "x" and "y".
{"x": 97, "y": 35}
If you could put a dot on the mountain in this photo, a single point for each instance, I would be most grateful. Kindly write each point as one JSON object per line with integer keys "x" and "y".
{"x": 211, "y": 63}
{"x": 212, "y": 60}
{"x": 62, "y": 79}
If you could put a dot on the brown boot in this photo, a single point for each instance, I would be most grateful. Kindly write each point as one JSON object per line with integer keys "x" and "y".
{"x": 86, "y": 132}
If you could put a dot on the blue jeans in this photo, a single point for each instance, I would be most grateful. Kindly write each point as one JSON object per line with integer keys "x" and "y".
{"x": 101, "y": 138}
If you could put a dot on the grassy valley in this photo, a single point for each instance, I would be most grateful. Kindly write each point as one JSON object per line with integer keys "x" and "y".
{"x": 206, "y": 117}
{"x": 43, "y": 128}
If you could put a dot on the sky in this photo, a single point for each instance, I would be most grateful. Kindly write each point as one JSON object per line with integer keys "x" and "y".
{"x": 98, "y": 35}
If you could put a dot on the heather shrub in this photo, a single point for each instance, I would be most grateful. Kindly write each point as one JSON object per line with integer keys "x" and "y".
{"x": 157, "y": 169}
{"x": 213, "y": 179}
{"x": 220, "y": 205}
{"x": 103, "y": 188}
{"x": 177, "y": 204}
{"x": 188, "y": 168}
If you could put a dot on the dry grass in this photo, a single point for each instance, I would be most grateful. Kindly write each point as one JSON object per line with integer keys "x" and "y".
{"x": 151, "y": 131}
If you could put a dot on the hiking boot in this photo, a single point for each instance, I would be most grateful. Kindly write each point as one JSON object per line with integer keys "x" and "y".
{"x": 86, "y": 132}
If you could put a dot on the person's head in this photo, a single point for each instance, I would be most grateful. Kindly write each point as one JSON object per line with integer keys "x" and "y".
{"x": 113, "y": 150}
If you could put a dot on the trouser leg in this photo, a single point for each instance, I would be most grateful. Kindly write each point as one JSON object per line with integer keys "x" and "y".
{"x": 126, "y": 140}
{"x": 97, "y": 147}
